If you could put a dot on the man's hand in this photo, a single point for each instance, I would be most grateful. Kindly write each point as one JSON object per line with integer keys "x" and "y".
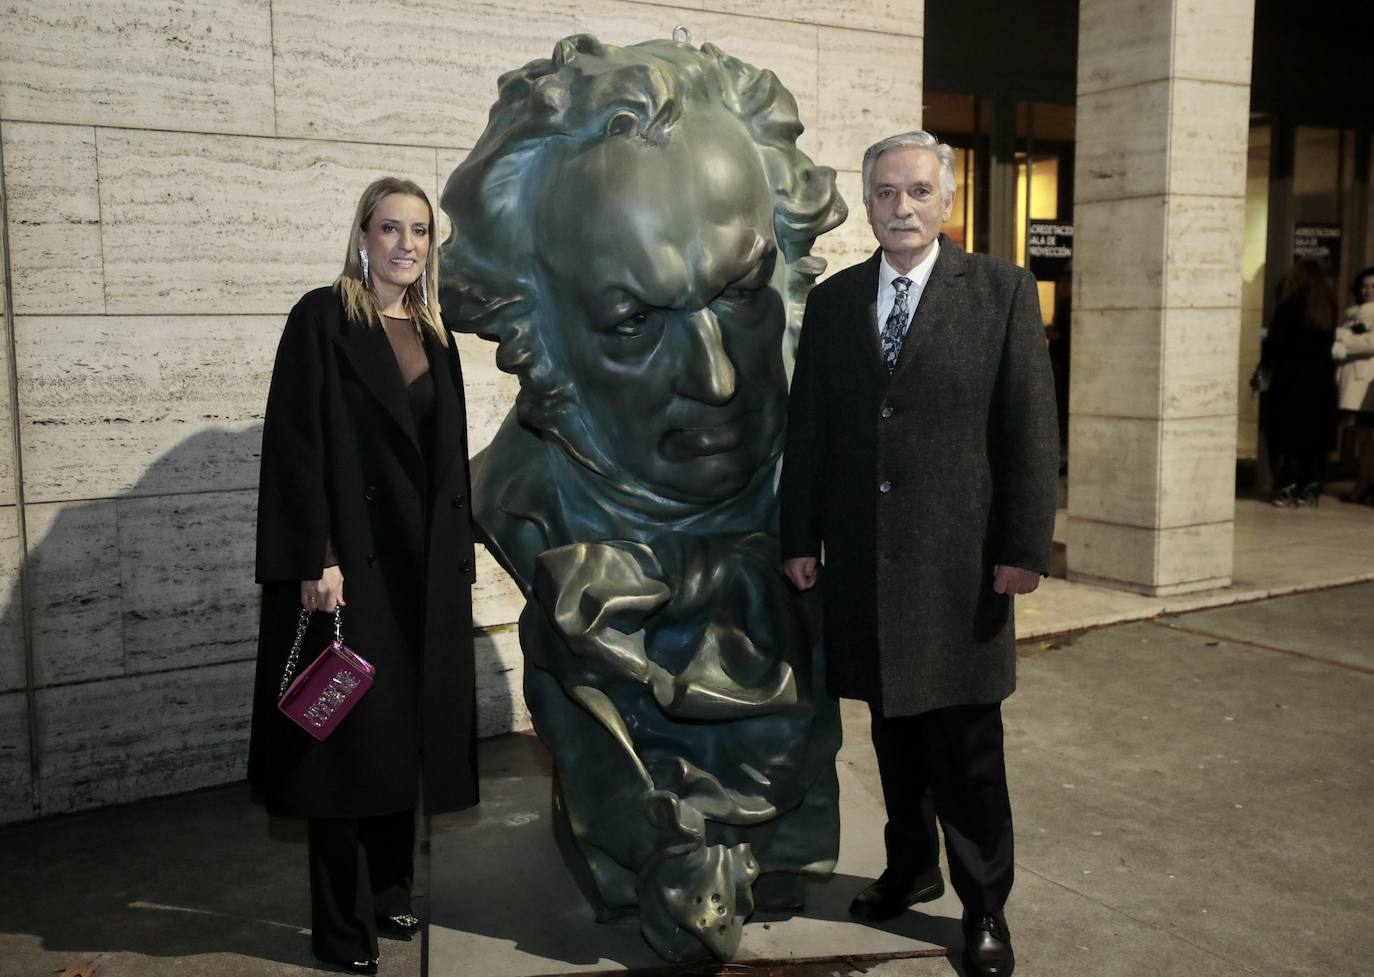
{"x": 325, "y": 594}
{"x": 1014, "y": 580}
{"x": 801, "y": 570}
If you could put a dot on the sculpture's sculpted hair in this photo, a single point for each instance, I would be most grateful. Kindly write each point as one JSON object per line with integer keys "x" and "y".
{"x": 422, "y": 305}
{"x": 916, "y": 139}
{"x": 586, "y": 92}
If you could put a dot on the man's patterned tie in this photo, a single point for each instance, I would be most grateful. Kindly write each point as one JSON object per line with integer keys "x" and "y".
{"x": 895, "y": 328}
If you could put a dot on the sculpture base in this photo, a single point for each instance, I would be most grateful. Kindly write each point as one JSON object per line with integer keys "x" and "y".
{"x": 502, "y": 904}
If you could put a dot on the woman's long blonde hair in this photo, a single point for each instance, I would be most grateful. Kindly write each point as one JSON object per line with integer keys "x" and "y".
{"x": 421, "y": 298}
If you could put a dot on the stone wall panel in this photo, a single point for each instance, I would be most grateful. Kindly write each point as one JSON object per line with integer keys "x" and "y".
{"x": 16, "y": 785}
{"x": 500, "y": 680}
{"x": 1119, "y": 254}
{"x": 851, "y": 242}
{"x": 186, "y": 580}
{"x": 1209, "y": 136}
{"x": 1115, "y": 465}
{"x": 144, "y": 736}
{"x": 870, "y": 88}
{"x": 1117, "y": 356}
{"x": 248, "y": 227}
{"x": 1199, "y": 362}
{"x": 54, "y": 218}
{"x": 1125, "y": 43}
{"x": 1203, "y": 252}
{"x": 1112, "y": 160}
{"x": 489, "y": 392}
{"x": 1196, "y": 454}
{"x": 902, "y": 17}
{"x": 142, "y": 404}
{"x": 8, "y": 487}
{"x": 74, "y": 597}
{"x": 338, "y": 79}
{"x": 1158, "y": 562}
{"x": 496, "y": 598}
{"x": 165, "y": 64}
{"x": 11, "y": 603}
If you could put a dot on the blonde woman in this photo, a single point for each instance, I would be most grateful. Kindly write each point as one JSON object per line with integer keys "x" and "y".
{"x": 363, "y": 505}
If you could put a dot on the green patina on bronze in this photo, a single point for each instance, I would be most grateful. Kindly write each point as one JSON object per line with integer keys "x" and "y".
{"x": 634, "y": 230}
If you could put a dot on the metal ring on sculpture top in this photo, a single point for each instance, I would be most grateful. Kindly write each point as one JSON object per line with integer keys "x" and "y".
{"x": 634, "y": 230}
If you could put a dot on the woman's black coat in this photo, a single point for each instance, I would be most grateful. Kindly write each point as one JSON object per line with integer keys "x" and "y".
{"x": 1299, "y": 409}
{"x": 341, "y": 462}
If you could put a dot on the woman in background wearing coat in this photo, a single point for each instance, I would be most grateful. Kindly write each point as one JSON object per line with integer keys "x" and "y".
{"x": 362, "y": 505}
{"x": 1354, "y": 351}
{"x": 1300, "y": 406}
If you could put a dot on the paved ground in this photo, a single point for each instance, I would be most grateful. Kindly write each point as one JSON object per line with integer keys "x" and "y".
{"x": 1192, "y": 797}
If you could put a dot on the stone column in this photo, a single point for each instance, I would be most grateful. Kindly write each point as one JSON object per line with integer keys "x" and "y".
{"x": 1159, "y": 202}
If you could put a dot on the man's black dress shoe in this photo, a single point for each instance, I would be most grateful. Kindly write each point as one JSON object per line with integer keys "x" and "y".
{"x": 894, "y": 893}
{"x": 987, "y": 946}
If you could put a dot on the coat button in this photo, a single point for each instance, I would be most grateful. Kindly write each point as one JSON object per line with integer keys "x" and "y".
{"x": 886, "y": 411}
{"x": 370, "y": 492}
{"x": 459, "y": 501}
{"x": 884, "y": 486}
{"x": 372, "y": 559}
{"x": 465, "y": 567}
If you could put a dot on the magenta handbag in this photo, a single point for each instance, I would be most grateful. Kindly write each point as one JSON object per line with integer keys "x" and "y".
{"x": 329, "y": 687}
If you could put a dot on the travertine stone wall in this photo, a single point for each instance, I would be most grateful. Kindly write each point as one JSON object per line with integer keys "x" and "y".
{"x": 1159, "y": 203}
{"x": 176, "y": 175}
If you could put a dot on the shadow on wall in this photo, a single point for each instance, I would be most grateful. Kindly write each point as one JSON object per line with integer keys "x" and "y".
{"x": 143, "y": 625}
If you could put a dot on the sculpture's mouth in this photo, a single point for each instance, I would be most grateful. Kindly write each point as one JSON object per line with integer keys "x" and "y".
{"x": 686, "y": 443}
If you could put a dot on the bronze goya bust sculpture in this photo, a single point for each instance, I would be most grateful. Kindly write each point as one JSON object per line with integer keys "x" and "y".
{"x": 634, "y": 229}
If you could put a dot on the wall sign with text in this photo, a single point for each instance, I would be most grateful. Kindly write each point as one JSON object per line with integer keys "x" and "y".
{"x": 1049, "y": 246}
{"x": 1321, "y": 243}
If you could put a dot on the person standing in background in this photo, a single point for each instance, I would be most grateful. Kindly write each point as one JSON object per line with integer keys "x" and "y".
{"x": 1354, "y": 351}
{"x": 1299, "y": 410}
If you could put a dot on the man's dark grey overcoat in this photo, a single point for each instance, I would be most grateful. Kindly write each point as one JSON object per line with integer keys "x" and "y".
{"x": 917, "y": 484}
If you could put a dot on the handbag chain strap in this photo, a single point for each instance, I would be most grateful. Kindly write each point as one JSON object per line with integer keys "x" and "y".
{"x": 294, "y": 657}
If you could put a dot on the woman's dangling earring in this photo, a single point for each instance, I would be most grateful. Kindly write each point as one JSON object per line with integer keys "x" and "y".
{"x": 362, "y": 256}
{"x": 424, "y": 288}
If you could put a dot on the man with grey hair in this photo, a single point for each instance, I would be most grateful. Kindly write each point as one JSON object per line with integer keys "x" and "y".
{"x": 921, "y": 462}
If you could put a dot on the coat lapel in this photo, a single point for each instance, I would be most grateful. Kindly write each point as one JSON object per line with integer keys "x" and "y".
{"x": 867, "y": 314}
{"x": 369, "y": 353}
{"x": 450, "y": 422}
{"x": 939, "y": 301}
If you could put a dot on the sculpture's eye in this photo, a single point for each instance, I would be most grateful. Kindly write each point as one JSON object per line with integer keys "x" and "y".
{"x": 622, "y": 124}
{"x": 632, "y": 327}
{"x": 743, "y": 291}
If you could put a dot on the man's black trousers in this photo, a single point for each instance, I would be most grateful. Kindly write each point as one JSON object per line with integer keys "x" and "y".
{"x": 948, "y": 763}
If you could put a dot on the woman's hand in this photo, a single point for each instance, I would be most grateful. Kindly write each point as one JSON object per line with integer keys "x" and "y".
{"x": 325, "y": 594}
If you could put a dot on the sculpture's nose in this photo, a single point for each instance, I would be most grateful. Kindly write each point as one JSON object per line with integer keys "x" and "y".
{"x": 707, "y": 374}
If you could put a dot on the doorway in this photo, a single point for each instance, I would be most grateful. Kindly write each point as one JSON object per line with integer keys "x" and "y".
{"x": 1013, "y": 178}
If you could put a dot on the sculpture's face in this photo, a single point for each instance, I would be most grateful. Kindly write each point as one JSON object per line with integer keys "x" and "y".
{"x": 664, "y": 279}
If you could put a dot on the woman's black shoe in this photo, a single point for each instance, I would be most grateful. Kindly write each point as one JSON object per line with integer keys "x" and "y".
{"x": 401, "y": 927}
{"x": 351, "y": 966}
{"x": 1361, "y": 498}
